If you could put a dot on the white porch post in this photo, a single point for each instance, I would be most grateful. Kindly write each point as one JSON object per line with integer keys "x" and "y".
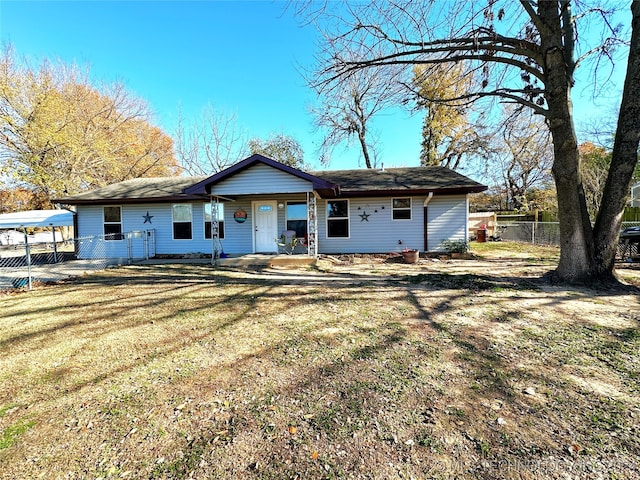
{"x": 215, "y": 240}
{"x": 312, "y": 224}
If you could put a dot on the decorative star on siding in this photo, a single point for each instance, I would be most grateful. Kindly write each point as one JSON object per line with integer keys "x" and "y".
{"x": 147, "y": 217}
{"x": 364, "y": 216}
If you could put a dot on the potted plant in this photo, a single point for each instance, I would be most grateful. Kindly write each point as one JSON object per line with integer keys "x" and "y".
{"x": 410, "y": 255}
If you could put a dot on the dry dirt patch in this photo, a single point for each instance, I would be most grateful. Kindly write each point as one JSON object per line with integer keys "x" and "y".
{"x": 366, "y": 369}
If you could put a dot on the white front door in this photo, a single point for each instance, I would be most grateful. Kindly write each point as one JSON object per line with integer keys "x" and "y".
{"x": 265, "y": 226}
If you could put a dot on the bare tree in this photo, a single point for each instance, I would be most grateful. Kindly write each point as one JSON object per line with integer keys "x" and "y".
{"x": 525, "y": 155}
{"x": 212, "y": 143}
{"x": 524, "y": 52}
{"x": 346, "y": 110}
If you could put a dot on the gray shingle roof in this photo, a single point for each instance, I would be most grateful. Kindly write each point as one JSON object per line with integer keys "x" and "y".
{"x": 147, "y": 189}
{"x": 362, "y": 182}
{"x": 414, "y": 179}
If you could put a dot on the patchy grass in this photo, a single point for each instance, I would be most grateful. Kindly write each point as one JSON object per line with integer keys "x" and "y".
{"x": 523, "y": 251}
{"x": 12, "y": 432}
{"x": 442, "y": 369}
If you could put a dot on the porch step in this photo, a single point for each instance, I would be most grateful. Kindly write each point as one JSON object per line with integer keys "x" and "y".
{"x": 267, "y": 261}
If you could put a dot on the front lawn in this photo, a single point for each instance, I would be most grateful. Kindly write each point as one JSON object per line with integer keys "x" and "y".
{"x": 442, "y": 369}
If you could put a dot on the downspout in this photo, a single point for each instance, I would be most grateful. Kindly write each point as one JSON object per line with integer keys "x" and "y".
{"x": 426, "y": 221}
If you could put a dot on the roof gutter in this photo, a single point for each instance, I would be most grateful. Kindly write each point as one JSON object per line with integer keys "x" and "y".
{"x": 426, "y": 221}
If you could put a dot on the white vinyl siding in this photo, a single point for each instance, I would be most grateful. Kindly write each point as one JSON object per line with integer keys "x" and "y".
{"x": 261, "y": 179}
{"x": 635, "y": 195}
{"x": 372, "y": 229}
{"x": 447, "y": 220}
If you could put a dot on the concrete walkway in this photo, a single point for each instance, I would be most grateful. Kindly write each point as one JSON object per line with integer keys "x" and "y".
{"x": 254, "y": 260}
{"x": 51, "y": 272}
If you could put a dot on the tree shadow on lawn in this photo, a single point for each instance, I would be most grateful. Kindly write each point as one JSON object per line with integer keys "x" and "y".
{"x": 379, "y": 392}
{"x": 347, "y": 400}
{"x": 384, "y": 406}
{"x": 168, "y": 297}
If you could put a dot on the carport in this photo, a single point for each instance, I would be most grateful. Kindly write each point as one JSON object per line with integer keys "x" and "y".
{"x": 36, "y": 219}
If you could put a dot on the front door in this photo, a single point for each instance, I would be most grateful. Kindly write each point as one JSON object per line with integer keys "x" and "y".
{"x": 265, "y": 215}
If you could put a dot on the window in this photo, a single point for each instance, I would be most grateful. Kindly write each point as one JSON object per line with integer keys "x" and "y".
{"x": 401, "y": 208}
{"x": 182, "y": 221}
{"x": 297, "y": 218}
{"x": 113, "y": 223}
{"x": 207, "y": 220}
{"x": 338, "y": 218}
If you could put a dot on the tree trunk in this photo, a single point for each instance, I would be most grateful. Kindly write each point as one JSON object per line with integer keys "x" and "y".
{"x": 623, "y": 160}
{"x": 576, "y": 237}
{"x": 365, "y": 149}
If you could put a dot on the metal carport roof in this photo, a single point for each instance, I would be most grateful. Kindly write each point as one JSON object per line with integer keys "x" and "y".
{"x": 36, "y": 218}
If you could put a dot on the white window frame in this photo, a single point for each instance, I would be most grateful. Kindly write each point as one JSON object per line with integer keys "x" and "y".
{"x": 173, "y": 221}
{"x": 104, "y": 222}
{"x": 347, "y": 218}
{"x": 401, "y": 209}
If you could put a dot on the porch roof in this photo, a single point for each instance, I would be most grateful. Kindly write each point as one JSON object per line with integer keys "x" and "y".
{"x": 319, "y": 184}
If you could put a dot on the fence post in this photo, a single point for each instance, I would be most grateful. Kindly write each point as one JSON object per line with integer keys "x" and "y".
{"x": 55, "y": 248}
{"x": 129, "y": 238}
{"x": 533, "y": 233}
{"x": 27, "y": 251}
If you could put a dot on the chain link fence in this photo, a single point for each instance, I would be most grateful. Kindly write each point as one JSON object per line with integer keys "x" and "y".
{"x": 24, "y": 263}
{"x": 548, "y": 233}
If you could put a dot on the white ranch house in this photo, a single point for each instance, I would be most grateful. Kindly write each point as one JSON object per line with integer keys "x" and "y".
{"x": 250, "y": 204}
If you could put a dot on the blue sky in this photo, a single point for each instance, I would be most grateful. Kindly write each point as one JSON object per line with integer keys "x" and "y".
{"x": 241, "y": 57}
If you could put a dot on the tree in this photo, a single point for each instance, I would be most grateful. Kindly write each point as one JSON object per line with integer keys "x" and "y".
{"x": 281, "y": 148}
{"x": 525, "y": 52}
{"x": 347, "y": 108}
{"x": 448, "y": 135}
{"x": 596, "y": 161}
{"x": 15, "y": 200}
{"x": 59, "y": 135}
{"x": 525, "y": 155}
{"x": 211, "y": 143}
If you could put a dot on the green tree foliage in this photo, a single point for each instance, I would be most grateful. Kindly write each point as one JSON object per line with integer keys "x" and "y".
{"x": 281, "y": 148}
{"x": 59, "y": 135}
